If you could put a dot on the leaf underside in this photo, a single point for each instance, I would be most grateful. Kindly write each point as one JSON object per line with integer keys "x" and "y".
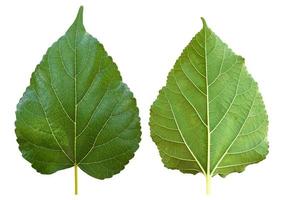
{"x": 77, "y": 110}
{"x": 210, "y": 117}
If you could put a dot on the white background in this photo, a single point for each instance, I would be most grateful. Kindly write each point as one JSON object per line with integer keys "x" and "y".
{"x": 144, "y": 37}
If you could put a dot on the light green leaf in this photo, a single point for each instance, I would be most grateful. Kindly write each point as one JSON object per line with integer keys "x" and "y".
{"x": 77, "y": 111}
{"x": 210, "y": 117}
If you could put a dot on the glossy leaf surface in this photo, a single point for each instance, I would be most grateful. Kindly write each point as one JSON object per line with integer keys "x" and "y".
{"x": 76, "y": 110}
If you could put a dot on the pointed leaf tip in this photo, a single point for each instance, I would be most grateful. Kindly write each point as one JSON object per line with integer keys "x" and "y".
{"x": 79, "y": 16}
{"x": 203, "y": 22}
{"x": 78, "y": 22}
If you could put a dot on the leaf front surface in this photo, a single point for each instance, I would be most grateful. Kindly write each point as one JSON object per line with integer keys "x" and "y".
{"x": 210, "y": 116}
{"x": 76, "y": 110}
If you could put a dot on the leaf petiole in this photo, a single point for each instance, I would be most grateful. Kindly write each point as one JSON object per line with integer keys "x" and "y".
{"x": 208, "y": 184}
{"x": 76, "y": 179}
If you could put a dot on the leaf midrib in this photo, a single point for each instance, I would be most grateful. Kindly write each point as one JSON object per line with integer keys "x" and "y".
{"x": 207, "y": 104}
{"x": 75, "y": 96}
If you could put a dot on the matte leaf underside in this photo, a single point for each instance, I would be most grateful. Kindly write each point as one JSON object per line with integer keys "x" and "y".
{"x": 77, "y": 111}
{"x": 210, "y": 117}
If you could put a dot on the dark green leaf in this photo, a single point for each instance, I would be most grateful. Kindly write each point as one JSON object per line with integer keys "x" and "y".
{"x": 77, "y": 111}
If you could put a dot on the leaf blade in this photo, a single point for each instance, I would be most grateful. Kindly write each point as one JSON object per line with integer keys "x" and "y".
{"x": 72, "y": 91}
{"x": 212, "y": 95}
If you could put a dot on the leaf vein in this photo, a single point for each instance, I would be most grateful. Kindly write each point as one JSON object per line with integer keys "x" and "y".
{"x": 192, "y": 81}
{"x": 198, "y": 114}
{"x": 184, "y": 138}
{"x": 219, "y": 161}
{"x": 59, "y": 145}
